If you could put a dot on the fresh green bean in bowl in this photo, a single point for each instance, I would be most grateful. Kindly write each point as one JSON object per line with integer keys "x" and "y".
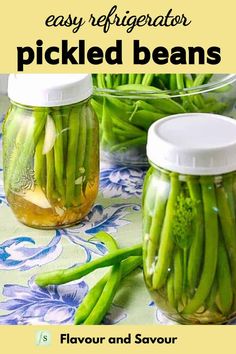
{"x": 127, "y": 104}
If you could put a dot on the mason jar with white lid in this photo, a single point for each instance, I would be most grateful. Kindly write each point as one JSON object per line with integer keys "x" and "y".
{"x": 189, "y": 217}
{"x": 50, "y": 149}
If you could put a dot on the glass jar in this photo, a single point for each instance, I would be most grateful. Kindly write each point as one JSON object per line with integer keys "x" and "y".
{"x": 127, "y": 105}
{"x": 189, "y": 218}
{"x": 50, "y": 149}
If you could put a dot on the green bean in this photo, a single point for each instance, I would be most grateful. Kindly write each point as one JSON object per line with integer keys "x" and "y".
{"x": 115, "y": 106}
{"x": 124, "y": 79}
{"x": 139, "y": 79}
{"x": 144, "y": 118}
{"x": 188, "y": 81}
{"x": 178, "y": 275}
{"x": 167, "y": 105}
{"x": 180, "y": 81}
{"x": 91, "y": 161}
{"x": 126, "y": 126}
{"x": 146, "y": 106}
{"x": 105, "y": 300}
{"x": 50, "y": 174}
{"x": 108, "y": 80}
{"x": 127, "y": 266}
{"x": 62, "y": 276}
{"x": 196, "y": 248}
{"x": 10, "y": 167}
{"x": 228, "y": 225}
{"x": 59, "y": 154}
{"x": 199, "y": 80}
{"x": 173, "y": 84}
{"x": 170, "y": 290}
{"x": 157, "y": 221}
{"x": 224, "y": 280}
{"x": 40, "y": 162}
{"x": 101, "y": 81}
{"x": 166, "y": 242}
{"x": 147, "y": 79}
{"x": 117, "y": 81}
{"x": 211, "y": 299}
{"x": 228, "y": 187}
{"x": 10, "y": 127}
{"x": 127, "y": 144}
{"x": 74, "y": 123}
{"x": 79, "y": 173}
{"x": 132, "y": 78}
{"x": 139, "y": 87}
{"x": 89, "y": 302}
{"x": 211, "y": 246}
{"x": 127, "y": 133}
{"x": 65, "y": 112}
{"x": 98, "y": 108}
{"x": 28, "y": 140}
{"x": 216, "y": 107}
{"x": 107, "y": 125}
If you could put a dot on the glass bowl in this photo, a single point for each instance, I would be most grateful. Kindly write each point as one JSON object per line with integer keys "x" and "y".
{"x": 126, "y": 113}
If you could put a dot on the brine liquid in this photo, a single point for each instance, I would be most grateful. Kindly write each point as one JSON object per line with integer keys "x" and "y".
{"x": 33, "y": 209}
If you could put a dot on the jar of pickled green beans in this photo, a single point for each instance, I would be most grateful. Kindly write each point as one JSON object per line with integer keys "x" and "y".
{"x": 50, "y": 149}
{"x": 189, "y": 218}
{"x": 127, "y": 105}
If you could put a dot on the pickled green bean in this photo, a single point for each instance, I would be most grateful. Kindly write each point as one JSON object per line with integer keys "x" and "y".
{"x": 50, "y": 174}
{"x": 228, "y": 225}
{"x": 40, "y": 162}
{"x": 166, "y": 242}
{"x": 224, "y": 280}
{"x": 59, "y": 153}
{"x": 157, "y": 221}
{"x": 211, "y": 246}
{"x": 196, "y": 249}
{"x": 80, "y": 157}
{"x": 74, "y": 120}
{"x": 178, "y": 275}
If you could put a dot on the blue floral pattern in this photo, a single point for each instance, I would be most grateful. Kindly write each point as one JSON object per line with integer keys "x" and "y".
{"x": 34, "y": 305}
{"x": 23, "y": 254}
{"x": 52, "y": 305}
{"x": 122, "y": 181}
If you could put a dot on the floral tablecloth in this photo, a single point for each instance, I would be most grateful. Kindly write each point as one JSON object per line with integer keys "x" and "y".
{"x": 25, "y": 251}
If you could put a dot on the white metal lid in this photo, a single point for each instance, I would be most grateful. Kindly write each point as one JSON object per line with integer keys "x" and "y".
{"x": 48, "y": 90}
{"x": 193, "y": 143}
